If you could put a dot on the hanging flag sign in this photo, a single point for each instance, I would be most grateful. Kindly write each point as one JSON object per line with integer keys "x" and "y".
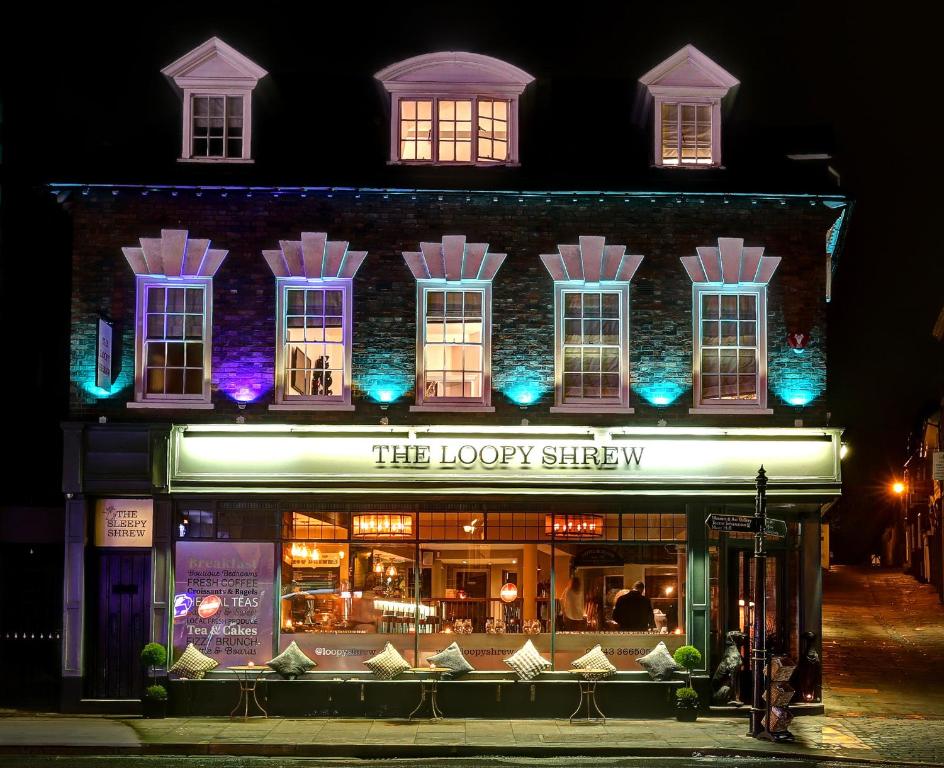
{"x": 103, "y": 371}
{"x": 937, "y": 466}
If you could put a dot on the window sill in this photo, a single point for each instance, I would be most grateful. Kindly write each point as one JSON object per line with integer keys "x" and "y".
{"x": 311, "y": 407}
{"x": 438, "y": 164}
{"x": 213, "y": 160}
{"x": 722, "y": 411}
{"x": 623, "y": 409}
{"x": 689, "y": 166}
{"x": 179, "y": 405}
{"x": 451, "y": 408}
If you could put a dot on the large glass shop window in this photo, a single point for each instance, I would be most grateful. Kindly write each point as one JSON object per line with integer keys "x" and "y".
{"x": 488, "y": 597}
{"x": 223, "y": 600}
{"x": 626, "y": 597}
{"x": 342, "y": 602}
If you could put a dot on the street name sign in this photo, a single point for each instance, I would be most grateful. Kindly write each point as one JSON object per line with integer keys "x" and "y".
{"x": 729, "y": 522}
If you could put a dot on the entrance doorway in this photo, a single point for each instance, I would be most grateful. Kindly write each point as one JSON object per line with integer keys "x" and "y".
{"x": 120, "y": 623}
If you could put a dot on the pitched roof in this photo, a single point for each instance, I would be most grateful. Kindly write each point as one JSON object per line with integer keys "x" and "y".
{"x": 688, "y": 68}
{"x": 214, "y": 62}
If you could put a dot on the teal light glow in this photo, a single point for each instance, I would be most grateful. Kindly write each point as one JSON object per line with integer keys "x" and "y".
{"x": 101, "y": 394}
{"x": 386, "y": 387}
{"x": 524, "y": 393}
{"x": 798, "y": 396}
{"x": 661, "y": 394}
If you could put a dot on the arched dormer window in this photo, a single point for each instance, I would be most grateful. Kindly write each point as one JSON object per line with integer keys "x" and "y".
{"x": 454, "y": 108}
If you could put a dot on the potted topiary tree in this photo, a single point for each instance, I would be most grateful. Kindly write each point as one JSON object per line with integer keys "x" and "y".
{"x": 154, "y": 659}
{"x": 686, "y": 699}
{"x": 154, "y": 703}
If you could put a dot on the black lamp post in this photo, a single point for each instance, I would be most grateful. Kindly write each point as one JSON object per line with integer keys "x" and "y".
{"x": 759, "y": 633}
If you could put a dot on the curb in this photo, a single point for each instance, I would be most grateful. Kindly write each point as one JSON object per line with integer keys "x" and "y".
{"x": 385, "y": 751}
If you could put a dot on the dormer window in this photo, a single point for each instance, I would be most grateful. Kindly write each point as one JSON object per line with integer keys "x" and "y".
{"x": 217, "y": 83}
{"x": 454, "y": 109}
{"x": 687, "y": 89}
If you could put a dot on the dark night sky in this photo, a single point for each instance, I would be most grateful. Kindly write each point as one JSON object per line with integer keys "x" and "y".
{"x": 68, "y": 78}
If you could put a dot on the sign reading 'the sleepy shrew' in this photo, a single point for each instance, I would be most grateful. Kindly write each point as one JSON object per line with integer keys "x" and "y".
{"x": 124, "y": 522}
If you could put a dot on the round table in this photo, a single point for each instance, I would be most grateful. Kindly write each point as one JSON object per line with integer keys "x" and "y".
{"x": 247, "y": 675}
{"x": 588, "y": 693}
{"x": 428, "y": 688}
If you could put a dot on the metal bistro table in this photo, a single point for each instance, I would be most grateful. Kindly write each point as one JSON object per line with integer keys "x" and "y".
{"x": 247, "y": 675}
{"x": 588, "y": 693}
{"x": 429, "y": 685}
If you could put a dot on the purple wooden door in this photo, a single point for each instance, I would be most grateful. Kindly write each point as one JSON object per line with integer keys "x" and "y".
{"x": 122, "y": 624}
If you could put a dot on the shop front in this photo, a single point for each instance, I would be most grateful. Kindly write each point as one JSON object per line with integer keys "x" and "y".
{"x": 345, "y": 539}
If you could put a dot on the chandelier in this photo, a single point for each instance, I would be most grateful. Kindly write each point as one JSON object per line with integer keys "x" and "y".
{"x": 383, "y": 525}
{"x": 577, "y": 526}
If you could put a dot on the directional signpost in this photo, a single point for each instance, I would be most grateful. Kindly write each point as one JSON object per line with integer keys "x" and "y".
{"x": 730, "y": 523}
{"x": 768, "y": 721}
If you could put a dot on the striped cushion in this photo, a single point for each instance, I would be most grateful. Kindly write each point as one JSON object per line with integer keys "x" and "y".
{"x": 527, "y": 662}
{"x": 388, "y": 663}
{"x": 594, "y": 659}
{"x": 193, "y": 664}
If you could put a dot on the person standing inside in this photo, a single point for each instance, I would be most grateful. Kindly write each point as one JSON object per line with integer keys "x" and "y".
{"x": 573, "y": 606}
{"x": 633, "y": 611}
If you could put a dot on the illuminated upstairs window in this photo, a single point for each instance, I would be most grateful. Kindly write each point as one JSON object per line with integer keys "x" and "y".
{"x": 687, "y": 89}
{"x": 314, "y": 286}
{"x": 686, "y": 134}
{"x": 454, "y": 109}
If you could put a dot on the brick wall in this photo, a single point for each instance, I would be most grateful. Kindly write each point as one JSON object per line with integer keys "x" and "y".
{"x": 385, "y": 224}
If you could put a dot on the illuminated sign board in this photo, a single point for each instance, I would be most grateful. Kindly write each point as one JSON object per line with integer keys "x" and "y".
{"x": 517, "y": 460}
{"x": 124, "y": 522}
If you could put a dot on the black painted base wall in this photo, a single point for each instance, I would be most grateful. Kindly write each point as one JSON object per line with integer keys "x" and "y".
{"x": 396, "y": 698}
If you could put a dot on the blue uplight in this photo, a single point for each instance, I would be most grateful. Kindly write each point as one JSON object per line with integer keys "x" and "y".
{"x": 385, "y": 387}
{"x": 524, "y": 392}
{"x": 797, "y": 396}
{"x": 661, "y": 394}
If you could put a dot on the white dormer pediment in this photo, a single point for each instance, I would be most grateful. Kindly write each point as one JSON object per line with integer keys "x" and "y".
{"x": 690, "y": 71}
{"x": 214, "y": 63}
{"x": 433, "y": 70}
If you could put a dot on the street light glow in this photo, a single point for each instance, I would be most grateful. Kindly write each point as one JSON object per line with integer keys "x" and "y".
{"x": 898, "y": 488}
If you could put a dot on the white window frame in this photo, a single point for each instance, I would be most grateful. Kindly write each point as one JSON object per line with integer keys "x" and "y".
{"x": 141, "y": 398}
{"x": 730, "y": 407}
{"x": 481, "y": 404}
{"x": 186, "y": 151}
{"x": 609, "y": 405}
{"x": 286, "y": 402}
{"x": 511, "y": 157}
{"x": 715, "y": 111}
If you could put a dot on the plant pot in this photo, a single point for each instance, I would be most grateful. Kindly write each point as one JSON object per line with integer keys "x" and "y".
{"x": 154, "y": 709}
{"x": 686, "y": 714}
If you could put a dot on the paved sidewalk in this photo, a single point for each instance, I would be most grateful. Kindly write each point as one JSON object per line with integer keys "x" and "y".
{"x": 884, "y": 697}
{"x": 398, "y": 738}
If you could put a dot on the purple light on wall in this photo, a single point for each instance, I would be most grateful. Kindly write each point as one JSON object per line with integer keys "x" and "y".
{"x": 246, "y": 393}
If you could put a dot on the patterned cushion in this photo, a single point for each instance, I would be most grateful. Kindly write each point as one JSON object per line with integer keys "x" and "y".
{"x": 658, "y": 663}
{"x": 292, "y": 662}
{"x": 193, "y": 664}
{"x": 452, "y": 659}
{"x": 388, "y": 663}
{"x": 594, "y": 659}
{"x": 527, "y": 662}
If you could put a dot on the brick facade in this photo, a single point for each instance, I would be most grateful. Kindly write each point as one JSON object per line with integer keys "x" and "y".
{"x": 385, "y": 223}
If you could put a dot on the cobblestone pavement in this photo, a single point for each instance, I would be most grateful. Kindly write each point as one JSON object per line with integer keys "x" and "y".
{"x": 884, "y": 698}
{"x": 883, "y": 643}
